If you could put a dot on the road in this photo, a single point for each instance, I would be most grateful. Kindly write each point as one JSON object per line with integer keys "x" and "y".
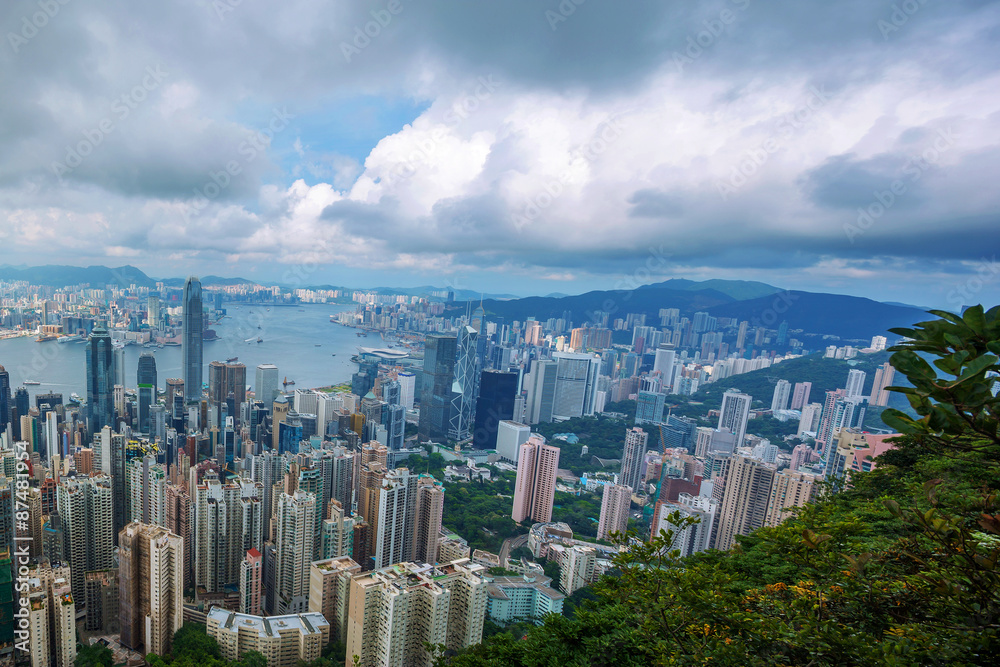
{"x": 509, "y": 545}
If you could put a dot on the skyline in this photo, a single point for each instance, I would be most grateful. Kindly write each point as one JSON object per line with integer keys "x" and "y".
{"x": 472, "y": 145}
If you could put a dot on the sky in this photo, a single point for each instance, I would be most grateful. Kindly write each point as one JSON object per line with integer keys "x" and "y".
{"x": 522, "y": 146}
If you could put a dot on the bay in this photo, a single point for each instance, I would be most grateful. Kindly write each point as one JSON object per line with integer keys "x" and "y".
{"x": 290, "y": 336}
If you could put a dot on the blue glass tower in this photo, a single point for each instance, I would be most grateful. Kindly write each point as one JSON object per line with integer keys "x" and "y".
{"x": 192, "y": 332}
{"x": 100, "y": 379}
{"x": 146, "y": 384}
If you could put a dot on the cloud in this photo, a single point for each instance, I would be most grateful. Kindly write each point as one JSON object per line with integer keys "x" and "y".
{"x": 551, "y": 140}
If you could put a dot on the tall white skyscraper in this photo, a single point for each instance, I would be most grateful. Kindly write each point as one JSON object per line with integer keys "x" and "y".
{"x": 735, "y": 413}
{"x": 855, "y": 383}
{"x": 295, "y": 544}
{"x": 576, "y": 385}
{"x": 664, "y": 363}
{"x": 614, "y": 510}
{"x": 266, "y": 386}
{"x": 782, "y": 391}
{"x": 633, "y": 456}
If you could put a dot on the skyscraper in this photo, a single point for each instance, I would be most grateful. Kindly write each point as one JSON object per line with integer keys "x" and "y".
{"x": 745, "y": 500}
{"x": 576, "y": 385}
{"x": 883, "y": 378}
{"x": 735, "y": 413}
{"x": 855, "y": 383}
{"x": 427, "y": 519}
{"x": 100, "y": 381}
{"x": 633, "y": 456}
{"x": 664, "y": 363}
{"x": 614, "y": 510}
{"x": 466, "y": 384}
{"x": 266, "y": 386}
{"x": 297, "y": 531}
{"x": 497, "y": 390}
{"x": 535, "y": 486}
{"x": 779, "y": 401}
{"x": 800, "y": 396}
{"x": 5, "y": 405}
{"x": 436, "y": 381}
{"x": 85, "y": 510}
{"x": 227, "y": 389}
{"x": 150, "y": 587}
{"x": 649, "y": 406}
{"x": 146, "y": 385}
{"x": 250, "y": 583}
{"x": 192, "y": 333}
{"x": 330, "y": 590}
{"x": 541, "y": 391}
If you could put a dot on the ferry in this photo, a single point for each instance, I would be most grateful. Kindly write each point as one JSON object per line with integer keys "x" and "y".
{"x": 260, "y": 340}
{"x": 68, "y": 339}
{"x": 231, "y": 360}
{"x": 31, "y": 382}
{"x": 75, "y": 397}
{"x": 42, "y": 338}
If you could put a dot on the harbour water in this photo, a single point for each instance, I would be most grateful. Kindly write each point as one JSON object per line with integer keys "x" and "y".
{"x": 300, "y": 340}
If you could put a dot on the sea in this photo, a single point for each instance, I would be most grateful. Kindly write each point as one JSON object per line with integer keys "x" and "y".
{"x": 301, "y": 341}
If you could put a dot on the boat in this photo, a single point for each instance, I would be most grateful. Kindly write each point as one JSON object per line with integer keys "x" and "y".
{"x": 260, "y": 340}
{"x": 334, "y": 354}
{"x": 319, "y": 344}
{"x": 75, "y": 397}
{"x": 232, "y": 360}
{"x": 67, "y": 339}
{"x": 287, "y": 381}
{"x": 42, "y": 338}
{"x": 31, "y": 382}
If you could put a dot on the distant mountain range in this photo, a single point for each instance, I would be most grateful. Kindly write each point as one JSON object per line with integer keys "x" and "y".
{"x": 846, "y": 317}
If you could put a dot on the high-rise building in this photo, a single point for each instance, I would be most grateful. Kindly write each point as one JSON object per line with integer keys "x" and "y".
{"x": 741, "y": 335}
{"x": 883, "y": 379}
{"x": 407, "y": 388}
{"x": 436, "y": 381}
{"x": 85, "y": 509}
{"x": 227, "y": 389}
{"x": 809, "y": 421}
{"x": 251, "y": 570}
{"x": 576, "y": 385}
{"x": 855, "y": 383}
{"x": 633, "y": 458}
{"x": 664, "y": 364}
{"x": 330, "y": 591}
{"x": 284, "y": 641}
{"x": 689, "y": 539}
{"x": 735, "y": 413}
{"x": 296, "y": 536}
{"x": 541, "y": 391}
{"x": 782, "y": 391}
{"x": 745, "y": 500}
{"x": 153, "y": 311}
{"x": 265, "y": 387}
{"x": 226, "y": 522}
{"x": 466, "y": 384}
{"x": 510, "y": 436}
{"x": 145, "y": 388}
{"x": 800, "y": 396}
{"x": 497, "y": 390}
{"x": 192, "y": 337}
{"x": 578, "y": 568}
{"x": 615, "y": 505}
{"x": 100, "y": 381}
{"x": 150, "y": 587}
{"x": 5, "y": 404}
{"x": 790, "y": 489}
{"x": 429, "y": 512}
{"x": 535, "y": 485}
{"x": 396, "y": 611}
{"x": 649, "y": 406}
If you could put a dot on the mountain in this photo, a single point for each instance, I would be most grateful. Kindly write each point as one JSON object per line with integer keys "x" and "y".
{"x": 816, "y": 314}
{"x": 60, "y": 276}
{"x": 737, "y": 289}
{"x": 848, "y": 317}
{"x": 427, "y": 290}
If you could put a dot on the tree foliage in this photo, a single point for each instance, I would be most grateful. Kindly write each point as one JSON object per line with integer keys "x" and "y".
{"x": 899, "y": 568}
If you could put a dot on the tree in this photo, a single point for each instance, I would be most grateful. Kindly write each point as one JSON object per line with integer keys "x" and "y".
{"x": 94, "y": 655}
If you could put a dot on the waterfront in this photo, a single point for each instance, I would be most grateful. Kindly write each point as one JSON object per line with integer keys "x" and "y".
{"x": 290, "y": 337}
